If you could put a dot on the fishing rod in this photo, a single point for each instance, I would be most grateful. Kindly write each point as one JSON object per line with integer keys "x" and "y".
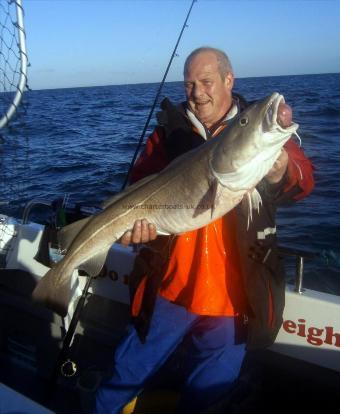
{"x": 64, "y": 366}
{"x": 156, "y": 99}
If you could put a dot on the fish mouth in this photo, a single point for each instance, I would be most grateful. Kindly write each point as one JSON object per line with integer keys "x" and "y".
{"x": 270, "y": 119}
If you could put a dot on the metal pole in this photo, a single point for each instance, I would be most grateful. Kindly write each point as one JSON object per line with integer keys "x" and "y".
{"x": 156, "y": 98}
{"x": 62, "y": 365}
{"x": 299, "y": 274}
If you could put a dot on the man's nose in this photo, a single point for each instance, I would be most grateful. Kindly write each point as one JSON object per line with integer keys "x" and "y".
{"x": 197, "y": 91}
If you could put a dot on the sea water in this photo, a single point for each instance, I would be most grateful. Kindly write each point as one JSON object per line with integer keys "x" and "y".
{"x": 77, "y": 144}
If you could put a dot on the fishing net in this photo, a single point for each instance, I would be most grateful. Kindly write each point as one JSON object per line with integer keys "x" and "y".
{"x": 13, "y": 83}
{"x": 13, "y": 59}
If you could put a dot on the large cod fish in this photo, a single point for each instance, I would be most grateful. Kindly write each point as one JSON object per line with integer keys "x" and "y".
{"x": 195, "y": 189}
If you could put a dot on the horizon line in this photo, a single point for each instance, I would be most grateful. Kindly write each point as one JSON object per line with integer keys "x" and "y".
{"x": 154, "y": 83}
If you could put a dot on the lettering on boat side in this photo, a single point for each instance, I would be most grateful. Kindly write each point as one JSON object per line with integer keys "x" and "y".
{"x": 314, "y": 336}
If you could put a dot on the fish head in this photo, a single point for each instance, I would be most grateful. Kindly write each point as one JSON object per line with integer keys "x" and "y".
{"x": 252, "y": 142}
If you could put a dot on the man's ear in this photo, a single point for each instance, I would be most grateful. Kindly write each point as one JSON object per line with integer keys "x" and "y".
{"x": 229, "y": 81}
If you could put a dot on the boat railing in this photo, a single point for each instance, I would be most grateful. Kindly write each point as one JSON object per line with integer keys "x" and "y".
{"x": 29, "y": 207}
{"x": 300, "y": 256}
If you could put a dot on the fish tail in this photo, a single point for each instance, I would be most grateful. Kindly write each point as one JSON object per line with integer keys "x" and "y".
{"x": 54, "y": 290}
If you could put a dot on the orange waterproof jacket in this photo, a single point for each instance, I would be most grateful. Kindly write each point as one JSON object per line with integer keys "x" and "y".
{"x": 202, "y": 269}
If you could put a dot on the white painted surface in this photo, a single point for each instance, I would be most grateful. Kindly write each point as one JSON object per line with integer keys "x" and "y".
{"x": 311, "y": 329}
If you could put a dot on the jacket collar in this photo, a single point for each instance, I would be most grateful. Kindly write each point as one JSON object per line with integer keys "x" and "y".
{"x": 203, "y": 130}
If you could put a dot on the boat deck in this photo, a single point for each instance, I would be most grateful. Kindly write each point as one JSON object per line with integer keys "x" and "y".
{"x": 31, "y": 339}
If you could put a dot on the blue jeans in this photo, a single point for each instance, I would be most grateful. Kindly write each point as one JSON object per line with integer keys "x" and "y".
{"x": 213, "y": 360}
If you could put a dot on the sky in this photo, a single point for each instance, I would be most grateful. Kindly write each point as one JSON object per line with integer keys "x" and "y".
{"x": 74, "y": 43}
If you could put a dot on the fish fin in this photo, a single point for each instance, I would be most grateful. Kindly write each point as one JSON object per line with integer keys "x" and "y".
{"x": 127, "y": 190}
{"x": 214, "y": 199}
{"x": 68, "y": 233}
{"x": 94, "y": 264}
{"x": 253, "y": 201}
{"x": 163, "y": 233}
{"x": 250, "y": 210}
{"x": 299, "y": 138}
{"x": 53, "y": 292}
{"x": 217, "y": 195}
{"x": 210, "y": 199}
{"x": 256, "y": 200}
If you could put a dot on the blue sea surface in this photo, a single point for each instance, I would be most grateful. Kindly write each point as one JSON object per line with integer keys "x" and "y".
{"x": 79, "y": 142}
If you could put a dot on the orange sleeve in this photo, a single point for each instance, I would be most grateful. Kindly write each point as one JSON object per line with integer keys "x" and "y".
{"x": 153, "y": 158}
{"x": 299, "y": 171}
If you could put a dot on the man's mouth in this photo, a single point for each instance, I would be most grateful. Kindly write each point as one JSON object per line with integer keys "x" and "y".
{"x": 201, "y": 103}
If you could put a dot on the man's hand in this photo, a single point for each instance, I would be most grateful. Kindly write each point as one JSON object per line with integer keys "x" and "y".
{"x": 284, "y": 118}
{"x": 142, "y": 232}
{"x": 278, "y": 169}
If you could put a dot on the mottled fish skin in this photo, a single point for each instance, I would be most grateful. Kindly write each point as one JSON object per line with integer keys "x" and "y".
{"x": 194, "y": 190}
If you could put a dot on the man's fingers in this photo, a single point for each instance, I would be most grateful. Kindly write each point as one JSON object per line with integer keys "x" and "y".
{"x": 144, "y": 237}
{"x": 148, "y": 231}
{"x": 277, "y": 165}
{"x": 137, "y": 232}
{"x": 142, "y": 232}
{"x": 279, "y": 168}
{"x": 126, "y": 238}
{"x": 152, "y": 231}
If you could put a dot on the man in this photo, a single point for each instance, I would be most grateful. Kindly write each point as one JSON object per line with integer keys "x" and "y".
{"x": 203, "y": 285}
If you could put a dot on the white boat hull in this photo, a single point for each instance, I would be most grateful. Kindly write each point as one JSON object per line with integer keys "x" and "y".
{"x": 311, "y": 328}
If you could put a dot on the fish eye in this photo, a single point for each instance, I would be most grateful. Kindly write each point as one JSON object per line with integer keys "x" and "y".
{"x": 243, "y": 121}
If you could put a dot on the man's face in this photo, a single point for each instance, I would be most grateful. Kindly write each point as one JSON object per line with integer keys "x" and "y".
{"x": 208, "y": 95}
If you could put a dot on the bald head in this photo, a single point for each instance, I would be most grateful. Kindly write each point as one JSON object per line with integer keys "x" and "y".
{"x": 223, "y": 62}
